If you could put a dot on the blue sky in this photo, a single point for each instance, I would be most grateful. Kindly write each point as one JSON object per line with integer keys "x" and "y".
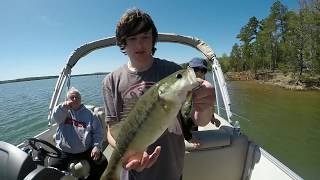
{"x": 37, "y": 36}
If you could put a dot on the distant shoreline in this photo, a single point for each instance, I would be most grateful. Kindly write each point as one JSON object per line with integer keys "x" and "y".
{"x": 47, "y": 77}
{"x": 287, "y": 81}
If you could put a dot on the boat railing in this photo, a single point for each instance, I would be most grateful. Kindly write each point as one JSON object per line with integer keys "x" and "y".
{"x": 163, "y": 37}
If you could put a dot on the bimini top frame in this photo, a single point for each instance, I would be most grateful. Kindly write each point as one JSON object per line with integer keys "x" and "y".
{"x": 173, "y": 38}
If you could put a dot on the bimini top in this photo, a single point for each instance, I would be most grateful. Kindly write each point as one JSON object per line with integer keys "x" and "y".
{"x": 162, "y": 37}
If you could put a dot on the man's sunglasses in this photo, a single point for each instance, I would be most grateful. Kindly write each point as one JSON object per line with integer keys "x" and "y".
{"x": 197, "y": 69}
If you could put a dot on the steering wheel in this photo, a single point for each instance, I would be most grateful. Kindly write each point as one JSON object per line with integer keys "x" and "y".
{"x": 36, "y": 145}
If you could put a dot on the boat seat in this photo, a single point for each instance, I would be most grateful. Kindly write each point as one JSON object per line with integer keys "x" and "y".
{"x": 90, "y": 107}
{"x": 46, "y": 173}
{"x": 15, "y": 164}
{"x": 222, "y": 155}
{"x": 221, "y": 138}
{"x": 99, "y": 111}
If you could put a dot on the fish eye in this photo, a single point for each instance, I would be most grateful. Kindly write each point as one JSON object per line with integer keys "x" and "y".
{"x": 178, "y": 76}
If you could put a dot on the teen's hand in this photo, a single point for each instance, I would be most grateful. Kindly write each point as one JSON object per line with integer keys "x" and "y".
{"x": 140, "y": 161}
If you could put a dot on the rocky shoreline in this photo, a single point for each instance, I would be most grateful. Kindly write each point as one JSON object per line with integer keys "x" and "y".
{"x": 287, "y": 81}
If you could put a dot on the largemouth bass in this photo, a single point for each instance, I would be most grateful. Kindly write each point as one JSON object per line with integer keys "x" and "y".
{"x": 152, "y": 114}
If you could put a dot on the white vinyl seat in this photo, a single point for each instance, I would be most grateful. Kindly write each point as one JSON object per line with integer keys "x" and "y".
{"x": 99, "y": 112}
{"x": 219, "y": 151}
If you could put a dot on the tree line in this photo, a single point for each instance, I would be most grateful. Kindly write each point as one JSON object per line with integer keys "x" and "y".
{"x": 288, "y": 41}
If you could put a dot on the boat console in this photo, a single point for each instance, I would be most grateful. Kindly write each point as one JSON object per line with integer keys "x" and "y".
{"x": 28, "y": 163}
{"x": 16, "y": 164}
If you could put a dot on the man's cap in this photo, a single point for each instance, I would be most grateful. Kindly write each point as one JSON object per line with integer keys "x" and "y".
{"x": 198, "y": 63}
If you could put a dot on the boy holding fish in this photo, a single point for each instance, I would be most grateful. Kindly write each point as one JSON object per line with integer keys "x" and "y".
{"x": 139, "y": 112}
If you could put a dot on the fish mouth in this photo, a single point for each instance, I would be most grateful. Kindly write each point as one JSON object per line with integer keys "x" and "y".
{"x": 194, "y": 80}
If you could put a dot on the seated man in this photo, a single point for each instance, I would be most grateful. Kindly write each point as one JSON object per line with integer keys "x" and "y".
{"x": 200, "y": 67}
{"x": 79, "y": 135}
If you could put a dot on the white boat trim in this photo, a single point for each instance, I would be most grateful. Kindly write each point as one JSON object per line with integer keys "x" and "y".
{"x": 267, "y": 159}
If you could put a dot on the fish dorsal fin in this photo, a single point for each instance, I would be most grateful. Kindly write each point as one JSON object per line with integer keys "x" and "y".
{"x": 115, "y": 129}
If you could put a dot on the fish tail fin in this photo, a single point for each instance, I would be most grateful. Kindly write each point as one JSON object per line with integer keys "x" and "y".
{"x": 112, "y": 172}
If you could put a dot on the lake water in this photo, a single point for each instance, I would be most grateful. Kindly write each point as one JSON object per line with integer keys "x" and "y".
{"x": 24, "y": 105}
{"x": 285, "y": 123}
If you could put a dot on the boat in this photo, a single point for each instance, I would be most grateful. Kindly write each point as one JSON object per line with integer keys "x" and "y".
{"x": 226, "y": 153}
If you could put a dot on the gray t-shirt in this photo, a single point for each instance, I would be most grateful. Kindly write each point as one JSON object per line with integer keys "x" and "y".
{"x": 121, "y": 90}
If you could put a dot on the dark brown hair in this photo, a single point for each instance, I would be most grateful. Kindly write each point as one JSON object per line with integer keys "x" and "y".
{"x": 133, "y": 22}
